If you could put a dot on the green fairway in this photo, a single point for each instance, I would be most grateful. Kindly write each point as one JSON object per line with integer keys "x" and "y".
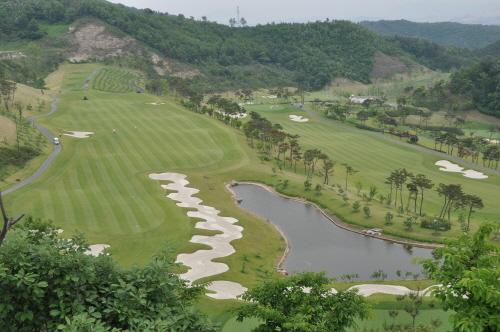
{"x": 100, "y": 185}
{"x": 379, "y": 317}
{"x": 112, "y": 80}
{"x": 375, "y": 158}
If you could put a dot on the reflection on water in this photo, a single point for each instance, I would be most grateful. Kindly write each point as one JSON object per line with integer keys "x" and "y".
{"x": 317, "y": 244}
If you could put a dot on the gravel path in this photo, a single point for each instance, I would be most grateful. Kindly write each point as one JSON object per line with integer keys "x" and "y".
{"x": 444, "y": 155}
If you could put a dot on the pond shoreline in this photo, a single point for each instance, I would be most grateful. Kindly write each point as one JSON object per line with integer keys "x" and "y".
{"x": 334, "y": 219}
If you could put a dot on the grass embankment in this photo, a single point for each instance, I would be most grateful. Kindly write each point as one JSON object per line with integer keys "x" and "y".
{"x": 35, "y": 102}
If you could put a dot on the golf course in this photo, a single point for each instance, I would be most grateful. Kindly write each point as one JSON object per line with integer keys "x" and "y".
{"x": 100, "y": 182}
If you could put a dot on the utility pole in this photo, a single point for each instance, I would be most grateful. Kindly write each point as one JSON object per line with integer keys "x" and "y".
{"x": 238, "y": 15}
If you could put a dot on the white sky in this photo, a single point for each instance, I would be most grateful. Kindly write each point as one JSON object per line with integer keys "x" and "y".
{"x": 265, "y": 11}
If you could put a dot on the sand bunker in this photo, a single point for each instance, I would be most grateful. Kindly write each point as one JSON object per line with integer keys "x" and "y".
{"x": 370, "y": 289}
{"x": 298, "y": 118}
{"x": 474, "y": 174}
{"x": 451, "y": 167}
{"x": 201, "y": 261}
{"x": 78, "y": 134}
{"x": 493, "y": 141}
{"x": 155, "y": 103}
{"x": 247, "y": 103}
{"x": 448, "y": 166}
{"x": 270, "y": 96}
{"x": 96, "y": 249}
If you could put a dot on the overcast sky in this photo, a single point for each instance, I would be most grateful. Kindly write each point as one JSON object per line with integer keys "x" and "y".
{"x": 265, "y": 11}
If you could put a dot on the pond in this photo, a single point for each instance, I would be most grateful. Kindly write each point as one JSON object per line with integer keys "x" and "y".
{"x": 317, "y": 244}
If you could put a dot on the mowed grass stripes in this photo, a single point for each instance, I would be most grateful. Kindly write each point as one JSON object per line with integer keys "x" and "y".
{"x": 100, "y": 185}
{"x": 375, "y": 158}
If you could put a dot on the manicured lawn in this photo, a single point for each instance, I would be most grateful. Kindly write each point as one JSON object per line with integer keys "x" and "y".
{"x": 380, "y": 316}
{"x": 100, "y": 185}
{"x": 375, "y": 158}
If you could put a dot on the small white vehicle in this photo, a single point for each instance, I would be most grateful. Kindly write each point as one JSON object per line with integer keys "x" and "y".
{"x": 56, "y": 141}
{"x": 374, "y": 231}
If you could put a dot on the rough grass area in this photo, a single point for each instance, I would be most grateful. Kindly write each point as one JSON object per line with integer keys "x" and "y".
{"x": 7, "y": 131}
{"x": 112, "y": 80}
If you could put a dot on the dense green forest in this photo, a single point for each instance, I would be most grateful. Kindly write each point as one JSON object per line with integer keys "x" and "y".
{"x": 473, "y": 87}
{"x": 444, "y": 33}
{"x": 309, "y": 55}
{"x": 480, "y": 83}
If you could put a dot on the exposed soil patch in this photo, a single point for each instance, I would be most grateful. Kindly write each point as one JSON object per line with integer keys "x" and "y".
{"x": 93, "y": 41}
{"x": 385, "y": 66}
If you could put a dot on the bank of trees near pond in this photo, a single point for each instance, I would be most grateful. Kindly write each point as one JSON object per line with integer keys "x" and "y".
{"x": 273, "y": 144}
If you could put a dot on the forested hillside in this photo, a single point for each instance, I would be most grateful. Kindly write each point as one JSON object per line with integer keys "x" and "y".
{"x": 444, "y": 33}
{"x": 480, "y": 83}
{"x": 287, "y": 54}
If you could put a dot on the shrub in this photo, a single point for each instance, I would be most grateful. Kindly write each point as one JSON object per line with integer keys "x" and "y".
{"x": 365, "y": 127}
{"x": 429, "y": 222}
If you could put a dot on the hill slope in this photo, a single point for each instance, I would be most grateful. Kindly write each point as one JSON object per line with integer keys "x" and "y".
{"x": 444, "y": 33}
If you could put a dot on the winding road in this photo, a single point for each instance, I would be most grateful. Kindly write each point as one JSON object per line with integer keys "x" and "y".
{"x": 57, "y": 148}
{"x": 141, "y": 90}
{"x": 444, "y": 155}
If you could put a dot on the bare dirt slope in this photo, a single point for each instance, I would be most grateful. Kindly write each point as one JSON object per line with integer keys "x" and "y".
{"x": 92, "y": 39}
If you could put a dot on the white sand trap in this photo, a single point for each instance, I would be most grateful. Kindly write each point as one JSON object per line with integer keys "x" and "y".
{"x": 201, "y": 261}
{"x": 451, "y": 167}
{"x": 298, "y": 118}
{"x": 225, "y": 289}
{"x": 96, "y": 249}
{"x": 448, "y": 166}
{"x": 369, "y": 289}
{"x": 493, "y": 141}
{"x": 247, "y": 103}
{"x": 270, "y": 96}
{"x": 155, "y": 103}
{"x": 79, "y": 134}
{"x": 474, "y": 174}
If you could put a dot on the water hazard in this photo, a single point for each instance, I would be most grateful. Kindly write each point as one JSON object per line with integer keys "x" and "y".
{"x": 317, "y": 244}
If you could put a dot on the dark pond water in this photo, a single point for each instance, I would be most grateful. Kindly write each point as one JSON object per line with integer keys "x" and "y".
{"x": 317, "y": 244}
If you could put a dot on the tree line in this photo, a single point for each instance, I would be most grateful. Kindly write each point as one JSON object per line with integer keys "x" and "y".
{"x": 284, "y": 54}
